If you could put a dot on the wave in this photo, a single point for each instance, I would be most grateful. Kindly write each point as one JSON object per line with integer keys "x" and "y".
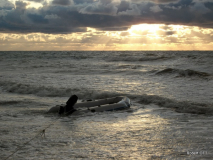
{"x": 183, "y": 107}
{"x": 185, "y": 73}
{"x": 20, "y": 103}
{"x": 137, "y": 58}
{"x": 13, "y": 87}
{"x": 49, "y": 91}
{"x": 86, "y": 93}
{"x": 153, "y": 58}
{"x": 2, "y": 103}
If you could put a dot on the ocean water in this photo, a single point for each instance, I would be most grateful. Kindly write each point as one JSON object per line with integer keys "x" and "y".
{"x": 170, "y": 118}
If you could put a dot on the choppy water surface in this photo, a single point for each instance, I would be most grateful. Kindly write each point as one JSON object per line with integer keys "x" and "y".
{"x": 171, "y": 115}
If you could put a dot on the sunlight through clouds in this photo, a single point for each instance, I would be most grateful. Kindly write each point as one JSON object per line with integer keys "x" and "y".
{"x": 137, "y": 37}
{"x": 31, "y": 3}
{"x": 106, "y": 25}
{"x": 141, "y": 28}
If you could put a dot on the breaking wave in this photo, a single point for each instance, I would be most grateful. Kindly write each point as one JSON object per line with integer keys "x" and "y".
{"x": 185, "y": 73}
{"x": 183, "y": 107}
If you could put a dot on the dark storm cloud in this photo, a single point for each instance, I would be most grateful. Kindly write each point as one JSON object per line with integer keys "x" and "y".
{"x": 21, "y": 5}
{"x": 61, "y": 2}
{"x": 106, "y": 7}
{"x": 66, "y": 16}
{"x": 82, "y": 1}
{"x": 37, "y": 18}
{"x": 164, "y": 1}
{"x": 12, "y": 20}
{"x": 124, "y": 5}
{"x": 209, "y": 5}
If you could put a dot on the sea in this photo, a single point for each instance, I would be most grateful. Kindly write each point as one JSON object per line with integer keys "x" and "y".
{"x": 171, "y": 115}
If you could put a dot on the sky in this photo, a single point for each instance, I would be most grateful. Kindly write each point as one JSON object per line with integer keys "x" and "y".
{"x": 36, "y": 25}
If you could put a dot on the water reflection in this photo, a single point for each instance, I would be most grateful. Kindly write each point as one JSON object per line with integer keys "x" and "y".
{"x": 146, "y": 132}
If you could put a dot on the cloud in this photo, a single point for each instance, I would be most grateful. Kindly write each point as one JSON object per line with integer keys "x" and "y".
{"x": 20, "y": 5}
{"x": 164, "y": 1}
{"x": 67, "y": 16}
{"x": 36, "y": 0}
{"x": 38, "y": 19}
{"x": 123, "y": 6}
{"x": 199, "y": 8}
{"x": 167, "y": 33}
{"x": 83, "y": 1}
{"x": 155, "y": 9}
{"x": 6, "y": 5}
{"x": 131, "y": 11}
{"x": 164, "y": 37}
{"x": 51, "y": 16}
{"x": 62, "y": 2}
{"x": 124, "y": 34}
{"x": 106, "y": 7}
